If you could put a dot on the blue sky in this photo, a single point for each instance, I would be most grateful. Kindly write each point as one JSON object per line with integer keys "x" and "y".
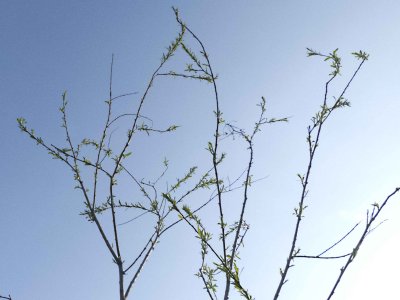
{"x": 48, "y": 251}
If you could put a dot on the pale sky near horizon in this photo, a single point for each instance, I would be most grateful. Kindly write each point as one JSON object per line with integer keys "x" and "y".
{"x": 258, "y": 48}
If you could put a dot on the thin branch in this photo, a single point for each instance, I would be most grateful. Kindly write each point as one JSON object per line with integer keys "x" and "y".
{"x": 218, "y": 116}
{"x": 321, "y": 257}
{"x": 249, "y": 140}
{"x": 128, "y": 115}
{"x": 372, "y": 229}
{"x": 318, "y": 123}
{"x": 133, "y": 219}
{"x": 205, "y": 282}
{"x": 104, "y": 134}
{"x": 118, "y": 260}
{"x": 85, "y": 162}
{"x": 346, "y": 235}
{"x": 123, "y": 95}
{"x": 141, "y": 253}
{"x": 147, "y": 255}
{"x": 372, "y": 217}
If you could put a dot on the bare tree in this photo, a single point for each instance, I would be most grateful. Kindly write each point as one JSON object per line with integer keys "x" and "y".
{"x": 96, "y": 165}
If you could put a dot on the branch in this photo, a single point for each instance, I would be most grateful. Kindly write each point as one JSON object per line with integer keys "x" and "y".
{"x": 321, "y": 257}
{"x": 213, "y": 148}
{"x": 370, "y": 220}
{"x": 313, "y": 143}
{"x": 346, "y": 235}
{"x": 147, "y": 255}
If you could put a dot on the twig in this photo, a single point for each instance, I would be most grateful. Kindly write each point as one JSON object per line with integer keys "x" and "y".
{"x": 372, "y": 217}
{"x": 318, "y": 123}
{"x": 346, "y": 235}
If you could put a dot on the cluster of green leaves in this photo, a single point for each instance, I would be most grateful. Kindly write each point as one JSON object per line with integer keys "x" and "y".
{"x": 332, "y": 57}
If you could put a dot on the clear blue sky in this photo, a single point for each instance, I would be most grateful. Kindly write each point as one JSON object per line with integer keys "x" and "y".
{"x": 48, "y": 251}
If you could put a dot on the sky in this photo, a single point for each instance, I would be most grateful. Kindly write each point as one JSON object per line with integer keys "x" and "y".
{"x": 257, "y": 48}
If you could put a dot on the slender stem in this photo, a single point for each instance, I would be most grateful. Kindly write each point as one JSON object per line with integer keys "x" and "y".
{"x": 300, "y": 209}
{"x": 215, "y": 153}
{"x": 370, "y": 221}
{"x": 335, "y": 244}
{"x": 318, "y": 124}
{"x": 322, "y": 257}
{"x": 147, "y": 255}
{"x": 150, "y": 242}
{"x": 104, "y": 134}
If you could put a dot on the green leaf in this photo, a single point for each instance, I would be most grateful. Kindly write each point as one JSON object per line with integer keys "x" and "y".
{"x": 126, "y": 154}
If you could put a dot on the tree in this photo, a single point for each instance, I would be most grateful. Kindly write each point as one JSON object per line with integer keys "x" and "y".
{"x": 99, "y": 165}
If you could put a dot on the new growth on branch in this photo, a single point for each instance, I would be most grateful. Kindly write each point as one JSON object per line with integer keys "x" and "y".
{"x": 96, "y": 161}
